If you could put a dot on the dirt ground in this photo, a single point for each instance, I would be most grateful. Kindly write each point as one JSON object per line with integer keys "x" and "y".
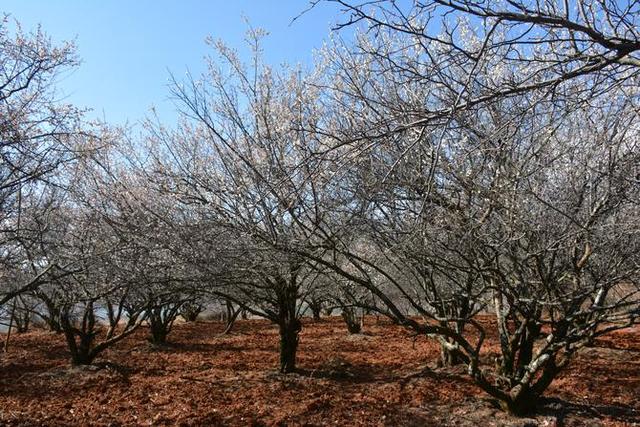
{"x": 383, "y": 377}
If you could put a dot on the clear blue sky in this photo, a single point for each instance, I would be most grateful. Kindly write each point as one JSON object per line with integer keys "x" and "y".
{"x": 127, "y": 47}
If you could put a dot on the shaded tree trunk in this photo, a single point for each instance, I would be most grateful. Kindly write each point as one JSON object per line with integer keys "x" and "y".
{"x": 450, "y": 355}
{"x": 230, "y": 317}
{"x": 6, "y": 341}
{"x": 22, "y": 321}
{"x": 450, "y": 352}
{"x": 80, "y": 340}
{"x": 352, "y": 320}
{"x": 53, "y": 313}
{"x": 315, "y": 305}
{"x": 81, "y": 353}
{"x": 191, "y": 311}
{"x": 81, "y": 335}
{"x": 161, "y": 318}
{"x": 288, "y": 323}
{"x": 158, "y": 333}
{"x": 289, "y": 331}
{"x": 523, "y": 398}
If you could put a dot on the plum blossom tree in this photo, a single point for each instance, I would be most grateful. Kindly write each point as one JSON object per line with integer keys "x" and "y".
{"x": 240, "y": 162}
{"x": 38, "y": 136}
{"x": 492, "y": 165}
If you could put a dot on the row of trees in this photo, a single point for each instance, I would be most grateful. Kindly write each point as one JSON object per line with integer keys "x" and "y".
{"x": 452, "y": 158}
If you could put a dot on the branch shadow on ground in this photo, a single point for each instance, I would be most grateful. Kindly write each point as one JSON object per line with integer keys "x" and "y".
{"x": 340, "y": 371}
{"x": 562, "y": 409}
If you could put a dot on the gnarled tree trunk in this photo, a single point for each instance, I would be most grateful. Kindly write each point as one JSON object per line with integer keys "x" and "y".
{"x": 161, "y": 318}
{"x": 80, "y": 339}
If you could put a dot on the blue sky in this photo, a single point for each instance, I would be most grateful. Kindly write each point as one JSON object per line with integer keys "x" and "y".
{"x": 128, "y": 47}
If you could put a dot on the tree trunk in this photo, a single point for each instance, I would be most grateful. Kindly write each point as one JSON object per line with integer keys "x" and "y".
{"x": 21, "y": 317}
{"x": 523, "y": 398}
{"x": 288, "y": 322}
{"x": 158, "y": 334}
{"x": 190, "y": 316}
{"x": 507, "y": 357}
{"x": 81, "y": 353}
{"x": 80, "y": 348}
{"x": 54, "y": 325}
{"x": 230, "y": 317}
{"x": 22, "y": 324}
{"x": 450, "y": 352}
{"x": 353, "y": 322}
{"x": 52, "y": 317}
{"x": 525, "y": 351}
{"x": 6, "y": 341}
{"x": 158, "y": 326}
{"x": 190, "y": 311}
{"x": 451, "y": 356}
{"x": 522, "y": 405}
{"x": 289, "y": 331}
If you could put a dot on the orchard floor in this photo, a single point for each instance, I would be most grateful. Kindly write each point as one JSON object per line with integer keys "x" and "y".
{"x": 382, "y": 377}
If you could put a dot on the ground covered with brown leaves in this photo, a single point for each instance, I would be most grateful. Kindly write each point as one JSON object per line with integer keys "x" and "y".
{"x": 381, "y": 377}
